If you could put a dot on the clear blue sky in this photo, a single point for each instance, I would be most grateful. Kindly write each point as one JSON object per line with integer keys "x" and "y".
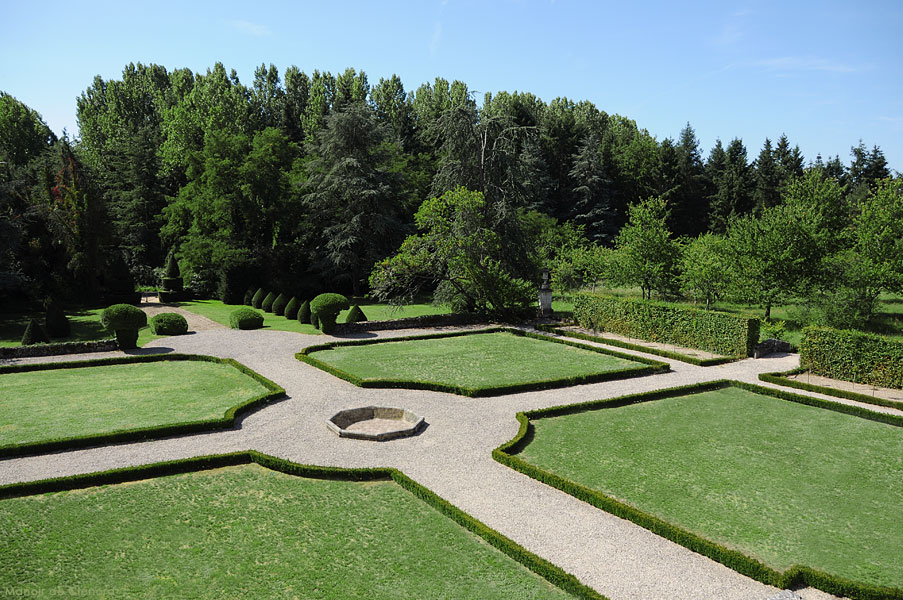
{"x": 826, "y": 73}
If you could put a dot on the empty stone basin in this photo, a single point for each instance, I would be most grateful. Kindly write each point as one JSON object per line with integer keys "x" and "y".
{"x": 375, "y": 423}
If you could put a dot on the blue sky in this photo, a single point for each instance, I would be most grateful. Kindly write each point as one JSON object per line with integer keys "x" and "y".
{"x": 825, "y": 73}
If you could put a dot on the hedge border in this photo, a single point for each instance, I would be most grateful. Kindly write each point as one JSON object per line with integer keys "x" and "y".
{"x": 699, "y": 362}
{"x": 795, "y": 576}
{"x": 545, "y": 569}
{"x": 780, "y": 378}
{"x": 652, "y": 366}
{"x": 57, "y": 348}
{"x": 855, "y": 356}
{"x": 141, "y": 433}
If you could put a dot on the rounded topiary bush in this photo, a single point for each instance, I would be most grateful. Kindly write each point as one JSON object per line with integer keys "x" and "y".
{"x": 34, "y": 334}
{"x": 291, "y": 309}
{"x": 169, "y": 324}
{"x": 257, "y": 298}
{"x": 355, "y": 315}
{"x": 124, "y": 320}
{"x": 249, "y": 295}
{"x": 267, "y": 304}
{"x": 304, "y": 312}
{"x": 55, "y": 322}
{"x": 279, "y": 304}
{"x": 245, "y": 318}
{"x": 326, "y": 307}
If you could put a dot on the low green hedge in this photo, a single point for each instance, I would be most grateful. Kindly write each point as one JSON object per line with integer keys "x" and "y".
{"x": 552, "y": 573}
{"x": 652, "y": 366}
{"x": 169, "y": 324}
{"x": 796, "y": 576}
{"x": 720, "y": 333}
{"x": 780, "y": 378}
{"x": 245, "y": 318}
{"x": 143, "y": 433}
{"x": 852, "y": 356}
{"x": 700, "y": 362}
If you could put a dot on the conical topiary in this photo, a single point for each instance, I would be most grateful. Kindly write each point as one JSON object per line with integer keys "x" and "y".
{"x": 279, "y": 304}
{"x": 267, "y": 304}
{"x": 34, "y": 334}
{"x": 55, "y": 322}
{"x": 291, "y": 309}
{"x": 304, "y": 312}
{"x": 249, "y": 295}
{"x": 258, "y": 297}
{"x": 172, "y": 278}
{"x": 355, "y": 315}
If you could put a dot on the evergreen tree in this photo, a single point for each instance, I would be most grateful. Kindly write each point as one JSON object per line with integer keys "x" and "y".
{"x": 689, "y": 200}
{"x": 733, "y": 185}
{"x": 592, "y": 208}
{"x": 768, "y": 179}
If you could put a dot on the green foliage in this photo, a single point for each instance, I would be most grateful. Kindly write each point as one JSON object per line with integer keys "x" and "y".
{"x": 852, "y": 356}
{"x": 325, "y": 308}
{"x": 291, "y": 309}
{"x": 234, "y": 273}
{"x": 257, "y": 298}
{"x": 720, "y": 333}
{"x": 304, "y": 314}
{"x": 169, "y": 324}
{"x": 355, "y": 315}
{"x": 245, "y": 318}
{"x": 249, "y": 295}
{"x": 172, "y": 266}
{"x": 267, "y": 304}
{"x": 123, "y": 316}
{"x": 279, "y": 304}
{"x": 704, "y": 269}
{"x": 34, "y": 334}
{"x": 772, "y": 329}
{"x": 646, "y": 254}
{"x": 878, "y": 235}
{"x": 55, "y": 322}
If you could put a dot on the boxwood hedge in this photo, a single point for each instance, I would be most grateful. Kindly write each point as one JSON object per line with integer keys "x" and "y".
{"x": 852, "y": 356}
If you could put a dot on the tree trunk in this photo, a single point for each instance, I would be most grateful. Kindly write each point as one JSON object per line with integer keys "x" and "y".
{"x": 768, "y": 311}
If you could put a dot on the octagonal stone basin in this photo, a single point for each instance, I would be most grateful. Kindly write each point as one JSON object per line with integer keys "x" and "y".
{"x": 375, "y": 423}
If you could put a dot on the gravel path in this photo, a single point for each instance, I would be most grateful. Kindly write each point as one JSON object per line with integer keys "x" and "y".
{"x": 451, "y": 456}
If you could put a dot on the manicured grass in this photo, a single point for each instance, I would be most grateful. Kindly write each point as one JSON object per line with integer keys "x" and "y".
{"x": 85, "y": 324}
{"x": 249, "y": 532}
{"x": 475, "y": 361}
{"x": 780, "y": 482}
{"x": 65, "y": 403}
{"x": 375, "y": 311}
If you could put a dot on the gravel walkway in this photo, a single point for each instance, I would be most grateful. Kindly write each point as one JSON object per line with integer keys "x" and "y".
{"x": 451, "y": 456}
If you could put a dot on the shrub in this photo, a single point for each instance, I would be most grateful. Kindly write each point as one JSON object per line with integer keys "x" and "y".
{"x": 304, "y": 313}
{"x": 852, "y": 356}
{"x": 245, "y": 318}
{"x": 169, "y": 324}
{"x": 235, "y": 273}
{"x": 169, "y": 296}
{"x": 267, "y": 304}
{"x": 291, "y": 309}
{"x": 34, "y": 334}
{"x": 326, "y": 307}
{"x": 355, "y": 315}
{"x": 172, "y": 266}
{"x": 279, "y": 304}
{"x": 172, "y": 278}
{"x": 125, "y": 320}
{"x": 258, "y": 297}
{"x": 315, "y": 320}
{"x": 55, "y": 322}
{"x": 249, "y": 295}
{"x": 724, "y": 334}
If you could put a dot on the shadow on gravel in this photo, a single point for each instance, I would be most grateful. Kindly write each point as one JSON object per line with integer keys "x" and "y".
{"x": 148, "y": 351}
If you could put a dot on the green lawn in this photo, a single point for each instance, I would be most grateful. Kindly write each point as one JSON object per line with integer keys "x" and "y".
{"x": 779, "y": 481}
{"x": 474, "y": 361}
{"x": 249, "y": 532}
{"x": 85, "y": 324}
{"x": 63, "y": 403}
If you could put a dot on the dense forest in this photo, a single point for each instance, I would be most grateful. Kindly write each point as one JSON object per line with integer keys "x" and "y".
{"x": 326, "y": 182}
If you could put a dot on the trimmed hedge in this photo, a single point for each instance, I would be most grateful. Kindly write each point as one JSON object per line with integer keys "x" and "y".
{"x": 267, "y": 304}
{"x": 780, "y": 378}
{"x": 34, "y": 334}
{"x": 279, "y": 304}
{"x": 652, "y": 366}
{"x": 170, "y": 296}
{"x": 720, "y": 333}
{"x": 58, "y": 348}
{"x": 852, "y": 356}
{"x": 124, "y": 320}
{"x": 249, "y": 294}
{"x": 257, "y": 298}
{"x": 355, "y": 315}
{"x": 291, "y": 309}
{"x": 245, "y": 318}
{"x": 794, "y": 577}
{"x": 699, "y": 362}
{"x": 326, "y": 307}
{"x": 55, "y": 322}
{"x": 143, "y": 433}
{"x": 304, "y": 315}
{"x": 169, "y": 324}
{"x": 545, "y": 569}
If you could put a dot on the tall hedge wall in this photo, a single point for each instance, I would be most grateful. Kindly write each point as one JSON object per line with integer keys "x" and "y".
{"x": 728, "y": 335}
{"x": 852, "y": 356}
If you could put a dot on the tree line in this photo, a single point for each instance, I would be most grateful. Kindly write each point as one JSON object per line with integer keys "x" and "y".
{"x": 308, "y": 182}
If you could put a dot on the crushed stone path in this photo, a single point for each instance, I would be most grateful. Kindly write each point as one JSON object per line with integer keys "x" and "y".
{"x": 451, "y": 456}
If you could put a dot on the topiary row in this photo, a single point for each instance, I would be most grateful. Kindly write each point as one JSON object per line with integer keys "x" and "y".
{"x": 852, "y": 356}
{"x": 321, "y": 312}
{"x": 720, "y": 333}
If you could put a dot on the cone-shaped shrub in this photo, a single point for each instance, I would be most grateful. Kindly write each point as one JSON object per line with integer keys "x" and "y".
{"x": 249, "y": 295}
{"x": 55, "y": 322}
{"x": 34, "y": 334}
{"x": 172, "y": 279}
{"x": 355, "y": 315}
{"x": 304, "y": 313}
{"x": 245, "y": 318}
{"x": 258, "y": 297}
{"x": 327, "y": 307}
{"x": 279, "y": 304}
{"x": 172, "y": 266}
{"x": 169, "y": 324}
{"x": 125, "y": 320}
{"x": 267, "y": 304}
{"x": 291, "y": 309}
